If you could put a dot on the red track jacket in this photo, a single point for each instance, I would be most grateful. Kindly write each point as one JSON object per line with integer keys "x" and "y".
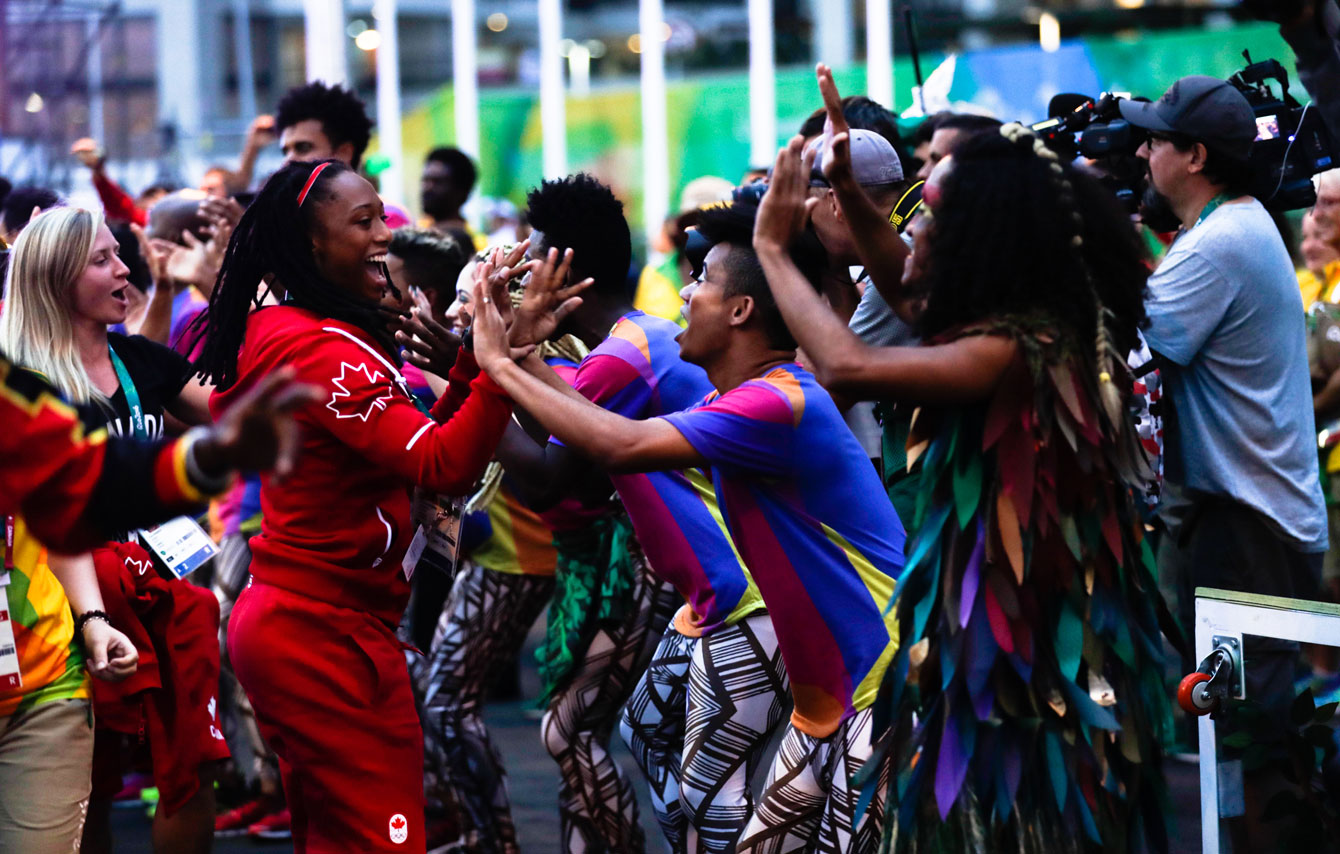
{"x": 337, "y": 528}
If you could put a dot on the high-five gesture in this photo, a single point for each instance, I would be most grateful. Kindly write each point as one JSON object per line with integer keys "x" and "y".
{"x": 548, "y": 299}
{"x": 490, "y": 328}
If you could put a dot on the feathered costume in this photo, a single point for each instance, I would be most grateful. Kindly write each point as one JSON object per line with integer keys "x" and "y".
{"x": 1026, "y": 705}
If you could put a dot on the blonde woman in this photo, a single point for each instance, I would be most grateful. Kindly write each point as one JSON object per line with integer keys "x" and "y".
{"x": 46, "y": 732}
{"x": 66, "y": 287}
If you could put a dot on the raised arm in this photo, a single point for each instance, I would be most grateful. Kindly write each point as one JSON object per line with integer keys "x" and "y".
{"x": 366, "y": 408}
{"x": 878, "y": 244}
{"x": 75, "y": 488}
{"x": 964, "y": 370}
{"x": 614, "y": 442}
{"x": 260, "y": 134}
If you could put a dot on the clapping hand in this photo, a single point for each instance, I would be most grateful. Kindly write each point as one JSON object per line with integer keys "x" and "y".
{"x": 220, "y": 210}
{"x": 503, "y": 267}
{"x": 190, "y": 261}
{"x": 155, "y": 253}
{"x": 492, "y": 347}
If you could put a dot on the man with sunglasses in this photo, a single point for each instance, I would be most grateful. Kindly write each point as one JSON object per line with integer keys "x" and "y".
{"x": 1244, "y": 506}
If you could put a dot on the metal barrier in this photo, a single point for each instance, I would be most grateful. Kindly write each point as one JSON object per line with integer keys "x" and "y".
{"x": 1222, "y": 619}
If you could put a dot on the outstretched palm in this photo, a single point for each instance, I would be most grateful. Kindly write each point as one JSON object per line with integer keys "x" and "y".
{"x": 547, "y": 300}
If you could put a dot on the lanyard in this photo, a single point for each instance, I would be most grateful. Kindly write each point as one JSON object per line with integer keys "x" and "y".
{"x": 418, "y": 404}
{"x": 9, "y": 543}
{"x": 137, "y": 427}
{"x": 1211, "y": 206}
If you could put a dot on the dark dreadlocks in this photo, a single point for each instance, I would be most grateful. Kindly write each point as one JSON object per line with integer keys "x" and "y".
{"x": 272, "y": 244}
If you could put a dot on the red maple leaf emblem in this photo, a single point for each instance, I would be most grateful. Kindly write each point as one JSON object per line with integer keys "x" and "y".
{"x": 397, "y": 822}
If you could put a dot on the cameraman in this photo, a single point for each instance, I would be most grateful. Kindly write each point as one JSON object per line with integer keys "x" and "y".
{"x": 1224, "y": 312}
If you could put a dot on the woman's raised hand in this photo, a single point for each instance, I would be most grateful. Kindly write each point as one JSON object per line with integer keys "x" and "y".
{"x": 547, "y": 300}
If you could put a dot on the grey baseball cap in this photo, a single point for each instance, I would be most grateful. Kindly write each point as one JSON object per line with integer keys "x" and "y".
{"x": 1206, "y": 109}
{"x": 873, "y": 160}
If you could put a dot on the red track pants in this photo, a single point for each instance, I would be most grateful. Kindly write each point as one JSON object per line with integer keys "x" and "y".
{"x": 332, "y": 697}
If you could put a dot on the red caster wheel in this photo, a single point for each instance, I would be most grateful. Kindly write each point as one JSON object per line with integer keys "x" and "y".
{"x": 1193, "y": 694}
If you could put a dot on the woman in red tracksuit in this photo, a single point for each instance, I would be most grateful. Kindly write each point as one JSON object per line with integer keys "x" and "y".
{"x": 313, "y": 638}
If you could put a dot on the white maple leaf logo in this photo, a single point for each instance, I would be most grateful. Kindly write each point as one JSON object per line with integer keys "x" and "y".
{"x": 140, "y": 566}
{"x": 343, "y": 393}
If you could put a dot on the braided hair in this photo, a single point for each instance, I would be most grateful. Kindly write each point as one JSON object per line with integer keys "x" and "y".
{"x": 1020, "y": 232}
{"x": 272, "y": 245}
{"x": 1046, "y": 238}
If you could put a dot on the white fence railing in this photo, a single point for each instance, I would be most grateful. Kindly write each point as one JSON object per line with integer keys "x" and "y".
{"x": 1223, "y": 617}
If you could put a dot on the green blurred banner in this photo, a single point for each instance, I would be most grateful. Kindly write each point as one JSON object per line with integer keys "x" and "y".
{"x": 709, "y": 114}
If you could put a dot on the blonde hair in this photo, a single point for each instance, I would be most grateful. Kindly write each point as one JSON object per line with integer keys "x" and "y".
{"x": 36, "y": 330}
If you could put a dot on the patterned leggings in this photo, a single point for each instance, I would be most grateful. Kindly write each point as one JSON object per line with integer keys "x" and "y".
{"x": 698, "y": 723}
{"x": 809, "y": 804}
{"x": 483, "y": 625}
{"x": 597, "y": 807}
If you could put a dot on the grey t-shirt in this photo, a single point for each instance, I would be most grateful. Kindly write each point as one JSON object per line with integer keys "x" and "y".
{"x": 875, "y": 323}
{"x": 1224, "y": 309}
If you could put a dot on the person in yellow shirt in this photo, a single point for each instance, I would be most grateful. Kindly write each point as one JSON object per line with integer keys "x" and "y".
{"x": 667, "y": 270}
{"x": 1319, "y": 280}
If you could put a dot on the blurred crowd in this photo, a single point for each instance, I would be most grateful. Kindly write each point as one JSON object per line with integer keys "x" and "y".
{"x": 892, "y": 470}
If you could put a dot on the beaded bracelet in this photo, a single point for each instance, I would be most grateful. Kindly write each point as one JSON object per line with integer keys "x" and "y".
{"x": 84, "y": 619}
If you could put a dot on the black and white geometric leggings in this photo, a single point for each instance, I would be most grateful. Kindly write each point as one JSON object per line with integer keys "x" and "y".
{"x": 597, "y": 806}
{"x": 809, "y": 804}
{"x": 698, "y": 724}
{"x": 482, "y": 627}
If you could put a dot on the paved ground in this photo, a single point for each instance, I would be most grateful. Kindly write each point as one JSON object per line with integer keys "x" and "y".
{"x": 534, "y": 783}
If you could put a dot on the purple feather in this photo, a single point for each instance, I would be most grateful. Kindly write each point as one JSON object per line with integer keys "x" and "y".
{"x": 950, "y": 768}
{"x": 972, "y": 576}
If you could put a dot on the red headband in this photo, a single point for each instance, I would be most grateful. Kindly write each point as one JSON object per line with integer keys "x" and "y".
{"x": 311, "y": 179}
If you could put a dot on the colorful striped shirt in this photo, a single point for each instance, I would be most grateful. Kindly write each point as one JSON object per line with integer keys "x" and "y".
{"x": 808, "y": 513}
{"x": 51, "y": 664}
{"x": 507, "y": 536}
{"x": 637, "y": 372}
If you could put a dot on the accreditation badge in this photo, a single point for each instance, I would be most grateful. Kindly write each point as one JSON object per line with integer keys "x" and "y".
{"x": 437, "y": 538}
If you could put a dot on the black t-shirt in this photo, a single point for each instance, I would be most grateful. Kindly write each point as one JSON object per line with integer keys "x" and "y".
{"x": 159, "y": 374}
